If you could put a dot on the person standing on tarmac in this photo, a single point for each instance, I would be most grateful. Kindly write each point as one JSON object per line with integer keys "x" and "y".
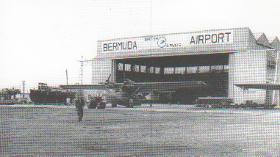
{"x": 80, "y": 103}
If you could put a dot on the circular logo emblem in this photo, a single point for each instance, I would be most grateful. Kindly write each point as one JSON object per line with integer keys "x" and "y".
{"x": 161, "y": 42}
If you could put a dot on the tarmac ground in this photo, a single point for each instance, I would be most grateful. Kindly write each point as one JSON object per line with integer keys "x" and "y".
{"x": 160, "y": 130}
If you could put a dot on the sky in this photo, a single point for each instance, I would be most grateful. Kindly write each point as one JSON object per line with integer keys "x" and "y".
{"x": 40, "y": 39}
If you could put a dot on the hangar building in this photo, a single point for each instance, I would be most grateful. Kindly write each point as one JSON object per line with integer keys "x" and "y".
{"x": 223, "y": 58}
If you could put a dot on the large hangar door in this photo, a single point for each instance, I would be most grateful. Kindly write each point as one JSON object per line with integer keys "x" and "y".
{"x": 211, "y": 68}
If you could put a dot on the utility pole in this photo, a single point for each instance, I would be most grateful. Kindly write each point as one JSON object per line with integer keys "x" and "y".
{"x": 23, "y": 88}
{"x": 81, "y": 70}
{"x": 66, "y": 77}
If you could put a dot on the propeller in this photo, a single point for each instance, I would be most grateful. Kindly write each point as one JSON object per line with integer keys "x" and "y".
{"x": 129, "y": 82}
{"x": 108, "y": 83}
{"x": 108, "y": 79}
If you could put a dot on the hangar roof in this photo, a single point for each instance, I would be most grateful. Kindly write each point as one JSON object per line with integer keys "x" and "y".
{"x": 262, "y": 40}
{"x": 275, "y": 43}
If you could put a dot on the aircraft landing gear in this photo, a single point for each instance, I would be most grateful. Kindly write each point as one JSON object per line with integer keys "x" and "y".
{"x": 97, "y": 103}
{"x": 92, "y": 104}
{"x": 101, "y": 105}
{"x": 130, "y": 103}
{"x": 114, "y": 105}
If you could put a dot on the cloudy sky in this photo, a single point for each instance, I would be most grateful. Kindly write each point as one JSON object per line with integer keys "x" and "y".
{"x": 40, "y": 39}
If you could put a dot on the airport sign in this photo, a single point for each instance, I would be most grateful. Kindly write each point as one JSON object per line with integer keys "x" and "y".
{"x": 167, "y": 41}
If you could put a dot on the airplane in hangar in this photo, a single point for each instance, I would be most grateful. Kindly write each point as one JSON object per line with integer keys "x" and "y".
{"x": 130, "y": 93}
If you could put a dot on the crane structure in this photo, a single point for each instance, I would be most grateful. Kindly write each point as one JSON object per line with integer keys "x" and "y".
{"x": 82, "y": 61}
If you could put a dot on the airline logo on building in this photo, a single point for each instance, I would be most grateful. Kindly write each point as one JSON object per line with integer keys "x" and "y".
{"x": 168, "y": 41}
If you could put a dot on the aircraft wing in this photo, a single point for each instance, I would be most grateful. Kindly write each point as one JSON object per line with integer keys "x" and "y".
{"x": 89, "y": 86}
{"x": 147, "y": 87}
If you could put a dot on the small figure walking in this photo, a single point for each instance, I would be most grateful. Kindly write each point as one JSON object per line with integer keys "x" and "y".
{"x": 80, "y": 103}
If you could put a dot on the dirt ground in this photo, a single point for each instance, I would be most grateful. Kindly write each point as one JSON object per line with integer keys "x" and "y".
{"x": 161, "y": 130}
